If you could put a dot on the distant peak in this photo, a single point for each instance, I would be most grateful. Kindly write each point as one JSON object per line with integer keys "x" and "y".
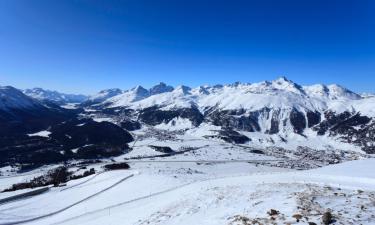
{"x": 340, "y": 91}
{"x": 283, "y": 79}
{"x": 110, "y": 90}
{"x": 139, "y": 87}
{"x": 8, "y": 88}
{"x": 160, "y": 88}
{"x": 140, "y": 91}
{"x": 284, "y": 83}
{"x": 183, "y": 89}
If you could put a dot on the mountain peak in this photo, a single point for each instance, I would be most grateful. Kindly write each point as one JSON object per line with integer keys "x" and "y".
{"x": 54, "y": 96}
{"x": 283, "y": 83}
{"x": 138, "y": 88}
{"x": 11, "y": 97}
{"x": 337, "y": 91}
{"x": 282, "y": 80}
{"x": 183, "y": 89}
{"x": 110, "y": 90}
{"x": 104, "y": 95}
{"x": 140, "y": 92}
{"x": 160, "y": 88}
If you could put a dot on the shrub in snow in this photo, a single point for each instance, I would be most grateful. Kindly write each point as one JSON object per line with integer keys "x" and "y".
{"x": 117, "y": 166}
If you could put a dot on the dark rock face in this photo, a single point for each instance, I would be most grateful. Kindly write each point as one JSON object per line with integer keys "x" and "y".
{"x": 154, "y": 116}
{"x": 163, "y": 149}
{"x": 351, "y": 128}
{"x": 331, "y": 119}
{"x": 313, "y": 118}
{"x": 130, "y": 125}
{"x": 160, "y": 88}
{"x": 327, "y": 218}
{"x": 231, "y": 136}
{"x": 249, "y": 121}
{"x": 298, "y": 121}
{"x": 343, "y": 123}
{"x": 233, "y": 119}
{"x": 274, "y": 124}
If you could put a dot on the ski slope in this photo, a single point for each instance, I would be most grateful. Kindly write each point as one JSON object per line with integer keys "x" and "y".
{"x": 226, "y": 193}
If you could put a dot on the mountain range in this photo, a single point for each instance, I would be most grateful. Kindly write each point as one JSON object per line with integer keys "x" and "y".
{"x": 278, "y": 113}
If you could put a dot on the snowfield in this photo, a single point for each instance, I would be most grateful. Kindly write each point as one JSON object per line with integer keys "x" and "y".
{"x": 211, "y": 193}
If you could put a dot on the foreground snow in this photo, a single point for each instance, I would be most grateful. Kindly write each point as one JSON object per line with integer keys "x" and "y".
{"x": 226, "y": 193}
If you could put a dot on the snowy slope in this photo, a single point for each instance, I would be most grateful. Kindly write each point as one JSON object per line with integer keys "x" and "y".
{"x": 135, "y": 94}
{"x": 12, "y": 98}
{"x": 104, "y": 95}
{"x": 207, "y": 194}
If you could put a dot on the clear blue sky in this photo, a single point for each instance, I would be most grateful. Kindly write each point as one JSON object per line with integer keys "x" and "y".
{"x": 84, "y": 46}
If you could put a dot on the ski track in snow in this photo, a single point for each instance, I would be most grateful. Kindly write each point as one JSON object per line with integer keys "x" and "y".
{"x": 69, "y": 206}
{"x": 190, "y": 200}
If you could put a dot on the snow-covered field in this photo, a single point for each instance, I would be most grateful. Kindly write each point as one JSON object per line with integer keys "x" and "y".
{"x": 204, "y": 193}
{"x": 204, "y": 181}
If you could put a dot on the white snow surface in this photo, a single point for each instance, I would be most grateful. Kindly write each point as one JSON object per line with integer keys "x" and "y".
{"x": 209, "y": 194}
{"x": 43, "y": 133}
{"x": 105, "y": 94}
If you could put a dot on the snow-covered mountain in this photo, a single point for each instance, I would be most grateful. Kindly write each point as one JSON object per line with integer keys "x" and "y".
{"x": 280, "y": 93}
{"x": 103, "y": 95}
{"x": 223, "y": 154}
{"x": 280, "y": 107}
{"x": 135, "y": 94}
{"x": 20, "y": 111}
{"x": 277, "y": 113}
{"x": 12, "y": 98}
{"x": 54, "y": 96}
{"x": 37, "y": 132}
{"x": 120, "y": 98}
{"x": 160, "y": 88}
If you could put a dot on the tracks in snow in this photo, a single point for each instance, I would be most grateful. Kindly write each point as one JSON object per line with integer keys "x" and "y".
{"x": 69, "y": 206}
{"x": 147, "y": 196}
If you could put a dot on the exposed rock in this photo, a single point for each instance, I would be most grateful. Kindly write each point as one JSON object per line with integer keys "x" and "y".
{"x": 313, "y": 118}
{"x": 154, "y": 116}
{"x": 327, "y": 218}
{"x": 298, "y": 217}
{"x": 130, "y": 125}
{"x": 298, "y": 121}
{"x": 231, "y": 136}
{"x": 163, "y": 149}
{"x": 273, "y": 212}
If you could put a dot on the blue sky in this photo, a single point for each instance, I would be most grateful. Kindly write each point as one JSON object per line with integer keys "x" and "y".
{"x": 84, "y": 46}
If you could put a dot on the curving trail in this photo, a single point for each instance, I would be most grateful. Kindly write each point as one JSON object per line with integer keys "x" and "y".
{"x": 69, "y": 206}
{"x": 79, "y": 184}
